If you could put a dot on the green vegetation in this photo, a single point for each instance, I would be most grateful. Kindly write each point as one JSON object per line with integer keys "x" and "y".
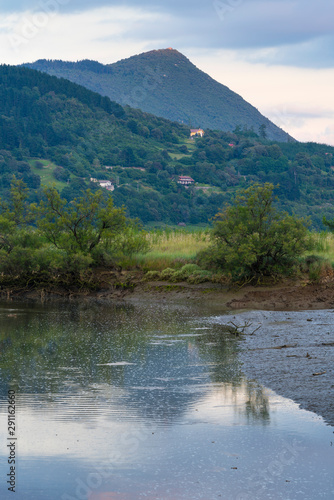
{"x": 68, "y": 244}
{"x": 71, "y": 238}
{"x": 54, "y": 132}
{"x": 172, "y": 248}
{"x": 251, "y": 239}
{"x": 166, "y": 83}
{"x": 251, "y": 242}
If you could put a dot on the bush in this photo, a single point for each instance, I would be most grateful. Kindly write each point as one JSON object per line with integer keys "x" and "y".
{"x": 61, "y": 174}
{"x": 184, "y": 273}
{"x": 167, "y": 273}
{"x": 199, "y": 277}
{"x": 152, "y": 275}
{"x": 251, "y": 239}
{"x": 317, "y": 268}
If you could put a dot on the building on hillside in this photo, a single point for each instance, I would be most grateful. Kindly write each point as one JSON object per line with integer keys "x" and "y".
{"x": 104, "y": 183}
{"x": 196, "y": 131}
{"x": 185, "y": 180}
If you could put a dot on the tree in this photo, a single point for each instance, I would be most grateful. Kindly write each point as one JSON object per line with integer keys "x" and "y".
{"x": 80, "y": 225}
{"x": 252, "y": 239}
{"x": 328, "y": 223}
{"x": 15, "y": 219}
{"x": 263, "y": 131}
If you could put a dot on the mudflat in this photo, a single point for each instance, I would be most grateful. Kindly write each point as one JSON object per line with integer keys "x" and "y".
{"x": 292, "y": 348}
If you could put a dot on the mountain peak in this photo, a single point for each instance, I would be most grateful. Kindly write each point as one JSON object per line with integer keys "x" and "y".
{"x": 166, "y": 83}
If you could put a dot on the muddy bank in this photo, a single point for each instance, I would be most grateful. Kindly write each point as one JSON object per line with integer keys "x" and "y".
{"x": 281, "y": 297}
{"x": 291, "y": 353}
{"x": 131, "y": 286}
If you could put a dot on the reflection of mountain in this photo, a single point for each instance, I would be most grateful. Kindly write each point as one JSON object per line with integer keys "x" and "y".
{"x": 137, "y": 363}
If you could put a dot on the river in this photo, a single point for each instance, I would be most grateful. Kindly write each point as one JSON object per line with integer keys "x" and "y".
{"x": 146, "y": 401}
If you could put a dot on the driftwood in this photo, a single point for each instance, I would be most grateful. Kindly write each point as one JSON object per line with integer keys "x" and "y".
{"x": 234, "y": 329}
{"x": 239, "y": 329}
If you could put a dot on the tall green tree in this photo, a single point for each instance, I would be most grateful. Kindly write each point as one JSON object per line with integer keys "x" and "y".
{"x": 15, "y": 217}
{"x": 252, "y": 239}
{"x": 80, "y": 225}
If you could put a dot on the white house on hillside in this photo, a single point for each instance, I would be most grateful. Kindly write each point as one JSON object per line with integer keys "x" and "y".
{"x": 196, "y": 131}
{"x": 104, "y": 183}
{"x": 185, "y": 180}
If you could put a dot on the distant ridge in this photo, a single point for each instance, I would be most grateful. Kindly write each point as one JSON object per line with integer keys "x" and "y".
{"x": 165, "y": 83}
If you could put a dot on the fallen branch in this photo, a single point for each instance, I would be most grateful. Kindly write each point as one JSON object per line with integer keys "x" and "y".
{"x": 240, "y": 329}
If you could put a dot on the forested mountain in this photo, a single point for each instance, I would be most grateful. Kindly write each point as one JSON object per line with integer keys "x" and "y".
{"x": 55, "y": 131}
{"x": 165, "y": 83}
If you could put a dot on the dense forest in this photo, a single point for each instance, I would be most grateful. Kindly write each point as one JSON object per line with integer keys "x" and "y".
{"x": 53, "y": 131}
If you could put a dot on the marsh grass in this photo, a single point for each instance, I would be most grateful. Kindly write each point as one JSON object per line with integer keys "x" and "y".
{"x": 172, "y": 248}
{"x": 323, "y": 245}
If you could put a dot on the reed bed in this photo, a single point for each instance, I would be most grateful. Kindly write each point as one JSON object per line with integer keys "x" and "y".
{"x": 172, "y": 248}
{"x": 323, "y": 245}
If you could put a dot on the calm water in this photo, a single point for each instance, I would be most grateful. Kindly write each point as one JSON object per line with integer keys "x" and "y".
{"x": 147, "y": 402}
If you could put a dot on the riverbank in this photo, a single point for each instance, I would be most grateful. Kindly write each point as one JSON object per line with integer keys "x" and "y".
{"x": 292, "y": 352}
{"x": 287, "y": 295}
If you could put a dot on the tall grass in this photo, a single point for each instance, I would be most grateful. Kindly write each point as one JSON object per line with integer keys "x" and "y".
{"x": 172, "y": 248}
{"x": 323, "y": 245}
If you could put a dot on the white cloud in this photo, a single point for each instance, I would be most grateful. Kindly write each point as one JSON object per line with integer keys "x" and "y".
{"x": 29, "y": 36}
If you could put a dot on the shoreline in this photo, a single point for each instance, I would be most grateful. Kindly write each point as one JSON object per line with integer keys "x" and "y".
{"x": 291, "y": 353}
{"x": 287, "y": 295}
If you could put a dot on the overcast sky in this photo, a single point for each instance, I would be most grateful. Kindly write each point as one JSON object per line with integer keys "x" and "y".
{"x": 278, "y": 54}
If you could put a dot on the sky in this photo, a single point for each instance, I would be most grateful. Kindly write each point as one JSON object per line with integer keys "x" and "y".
{"x": 277, "y": 54}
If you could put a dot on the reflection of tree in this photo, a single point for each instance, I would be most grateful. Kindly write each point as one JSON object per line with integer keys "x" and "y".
{"x": 220, "y": 348}
{"x": 65, "y": 351}
{"x": 257, "y": 406}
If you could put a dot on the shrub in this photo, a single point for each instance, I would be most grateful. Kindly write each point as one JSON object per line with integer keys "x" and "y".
{"x": 251, "y": 239}
{"x": 184, "y": 273}
{"x": 199, "y": 277}
{"x": 152, "y": 275}
{"x": 167, "y": 273}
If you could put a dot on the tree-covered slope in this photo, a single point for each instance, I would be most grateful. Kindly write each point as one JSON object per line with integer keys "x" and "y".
{"x": 55, "y": 131}
{"x": 165, "y": 83}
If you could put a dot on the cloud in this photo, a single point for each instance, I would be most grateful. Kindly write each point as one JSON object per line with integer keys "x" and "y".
{"x": 316, "y": 53}
{"x": 293, "y": 32}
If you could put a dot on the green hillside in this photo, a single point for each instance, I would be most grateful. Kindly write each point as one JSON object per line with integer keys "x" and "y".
{"x": 167, "y": 84}
{"x": 55, "y": 131}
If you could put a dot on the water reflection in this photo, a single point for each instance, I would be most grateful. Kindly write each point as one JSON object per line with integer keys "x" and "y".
{"x": 145, "y": 364}
{"x": 148, "y": 402}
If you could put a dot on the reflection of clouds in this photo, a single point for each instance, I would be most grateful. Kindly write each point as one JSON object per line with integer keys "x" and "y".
{"x": 58, "y": 432}
{"x": 90, "y": 425}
